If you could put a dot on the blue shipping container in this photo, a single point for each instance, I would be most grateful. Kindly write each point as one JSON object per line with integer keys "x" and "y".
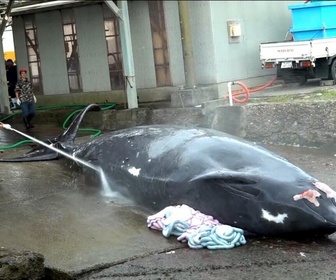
{"x": 314, "y": 20}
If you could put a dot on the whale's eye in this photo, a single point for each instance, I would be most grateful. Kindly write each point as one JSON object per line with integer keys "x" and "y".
{"x": 239, "y": 186}
{"x": 239, "y": 183}
{"x": 239, "y": 180}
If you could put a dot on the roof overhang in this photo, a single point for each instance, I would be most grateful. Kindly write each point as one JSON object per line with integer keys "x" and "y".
{"x": 32, "y": 6}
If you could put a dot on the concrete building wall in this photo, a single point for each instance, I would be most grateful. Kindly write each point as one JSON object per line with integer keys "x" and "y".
{"x": 20, "y": 43}
{"x": 203, "y": 42}
{"x": 240, "y": 60}
{"x": 216, "y": 59}
{"x": 52, "y": 53}
{"x": 174, "y": 42}
{"x": 92, "y": 48}
{"x": 142, "y": 44}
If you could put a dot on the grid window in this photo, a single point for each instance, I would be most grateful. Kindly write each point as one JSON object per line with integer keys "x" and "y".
{"x": 71, "y": 49}
{"x": 160, "y": 45}
{"x": 33, "y": 53}
{"x": 113, "y": 45}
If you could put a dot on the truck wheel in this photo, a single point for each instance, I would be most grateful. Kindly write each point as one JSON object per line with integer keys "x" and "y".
{"x": 333, "y": 70}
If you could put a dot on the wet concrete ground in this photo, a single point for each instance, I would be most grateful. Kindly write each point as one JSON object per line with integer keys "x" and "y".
{"x": 260, "y": 258}
{"x": 46, "y": 208}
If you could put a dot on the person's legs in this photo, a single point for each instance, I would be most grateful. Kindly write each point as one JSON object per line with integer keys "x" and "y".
{"x": 11, "y": 105}
{"x": 31, "y": 113}
{"x": 25, "y": 113}
{"x": 12, "y": 99}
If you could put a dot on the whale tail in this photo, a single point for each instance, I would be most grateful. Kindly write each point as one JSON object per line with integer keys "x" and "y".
{"x": 64, "y": 141}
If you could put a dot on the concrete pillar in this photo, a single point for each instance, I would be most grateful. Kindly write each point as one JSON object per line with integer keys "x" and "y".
{"x": 121, "y": 11}
{"x": 230, "y": 119}
{"x": 127, "y": 54}
{"x": 4, "y": 98}
{"x": 188, "y": 57}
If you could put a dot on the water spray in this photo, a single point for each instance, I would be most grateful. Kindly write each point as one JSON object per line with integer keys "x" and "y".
{"x": 106, "y": 189}
{"x": 51, "y": 147}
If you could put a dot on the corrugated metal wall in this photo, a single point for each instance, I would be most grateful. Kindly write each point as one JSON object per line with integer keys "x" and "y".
{"x": 92, "y": 48}
{"x": 52, "y": 53}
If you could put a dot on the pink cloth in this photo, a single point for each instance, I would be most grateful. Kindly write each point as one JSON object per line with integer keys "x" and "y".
{"x": 183, "y": 213}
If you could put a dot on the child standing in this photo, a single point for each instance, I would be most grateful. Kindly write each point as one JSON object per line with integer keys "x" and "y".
{"x": 25, "y": 98}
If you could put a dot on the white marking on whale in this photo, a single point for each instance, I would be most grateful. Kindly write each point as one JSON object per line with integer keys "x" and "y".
{"x": 279, "y": 219}
{"x": 134, "y": 171}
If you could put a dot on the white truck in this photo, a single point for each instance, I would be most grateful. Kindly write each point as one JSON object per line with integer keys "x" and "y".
{"x": 297, "y": 61}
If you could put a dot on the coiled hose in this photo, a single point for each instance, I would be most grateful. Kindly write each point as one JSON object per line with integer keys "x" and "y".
{"x": 248, "y": 91}
{"x": 94, "y": 132}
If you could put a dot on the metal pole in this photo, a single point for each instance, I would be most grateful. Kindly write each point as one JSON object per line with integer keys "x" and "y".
{"x": 189, "y": 64}
{"x": 230, "y": 93}
{"x": 127, "y": 55}
{"x": 114, "y": 8}
{"x": 5, "y": 17}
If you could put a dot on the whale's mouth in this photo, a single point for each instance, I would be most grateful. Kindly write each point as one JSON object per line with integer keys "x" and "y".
{"x": 324, "y": 213}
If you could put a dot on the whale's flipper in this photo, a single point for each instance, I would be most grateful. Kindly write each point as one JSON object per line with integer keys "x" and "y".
{"x": 64, "y": 141}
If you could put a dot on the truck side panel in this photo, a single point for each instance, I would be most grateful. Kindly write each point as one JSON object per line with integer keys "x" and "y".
{"x": 282, "y": 51}
{"x": 324, "y": 48}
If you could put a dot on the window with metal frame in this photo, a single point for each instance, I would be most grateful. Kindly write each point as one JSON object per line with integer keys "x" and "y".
{"x": 33, "y": 53}
{"x": 113, "y": 45}
{"x": 160, "y": 45}
{"x": 71, "y": 50}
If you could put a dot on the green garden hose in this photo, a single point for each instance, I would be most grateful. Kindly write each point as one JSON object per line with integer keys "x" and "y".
{"x": 97, "y": 132}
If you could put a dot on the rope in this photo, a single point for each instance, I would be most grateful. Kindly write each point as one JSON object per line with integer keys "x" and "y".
{"x": 199, "y": 230}
{"x": 217, "y": 237}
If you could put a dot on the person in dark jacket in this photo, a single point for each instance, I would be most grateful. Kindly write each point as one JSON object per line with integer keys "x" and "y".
{"x": 25, "y": 97}
{"x": 11, "y": 75}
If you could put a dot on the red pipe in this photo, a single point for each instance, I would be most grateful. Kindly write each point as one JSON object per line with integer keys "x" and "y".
{"x": 247, "y": 91}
